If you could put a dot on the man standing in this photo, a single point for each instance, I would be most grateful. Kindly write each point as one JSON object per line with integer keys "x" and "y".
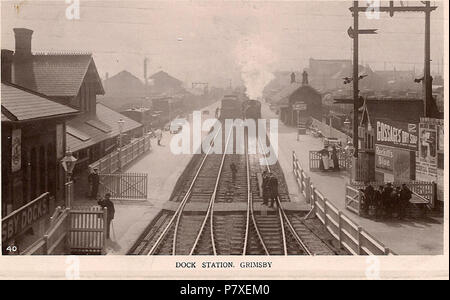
{"x": 94, "y": 181}
{"x": 387, "y": 199}
{"x": 233, "y": 172}
{"x": 159, "y": 136}
{"x": 110, "y": 214}
{"x": 405, "y": 196}
{"x": 265, "y": 187}
{"x": 273, "y": 183}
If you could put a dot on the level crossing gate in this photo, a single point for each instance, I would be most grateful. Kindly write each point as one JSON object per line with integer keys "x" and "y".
{"x": 124, "y": 186}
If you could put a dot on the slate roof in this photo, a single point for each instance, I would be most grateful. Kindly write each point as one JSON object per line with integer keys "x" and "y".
{"x": 85, "y": 131}
{"x": 56, "y": 75}
{"x": 22, "y": 104}
{"x": 282, "y": 97}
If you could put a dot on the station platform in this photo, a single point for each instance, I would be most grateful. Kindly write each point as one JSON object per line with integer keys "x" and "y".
{"x": 408, "y": 237}
{"x": 163, "y": 169}
{"x": 238, "y": 207}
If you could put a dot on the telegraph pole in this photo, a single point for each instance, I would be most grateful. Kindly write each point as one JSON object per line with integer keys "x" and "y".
{"x": 427, "y": 9}
{"x": 355, "y": 80}
{"x": 427, "y": 81}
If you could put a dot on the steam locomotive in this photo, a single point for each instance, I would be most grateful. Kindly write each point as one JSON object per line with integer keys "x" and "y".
{"x": 239, "y": 107}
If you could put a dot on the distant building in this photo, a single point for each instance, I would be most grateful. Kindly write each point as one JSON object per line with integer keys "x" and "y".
{"x": 124, "y": 91}
{"x": 163, "y": 84}
{"x": 299, "y": 94}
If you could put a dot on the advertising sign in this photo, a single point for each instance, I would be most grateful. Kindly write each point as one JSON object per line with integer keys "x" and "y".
{"x": 16, "y": 223}
{"x": 396, "y": 134}
{"x": 299, "y": 106}
{"x": 426, "y": 165}
{"x": 384, "y": 158}
{"x": 16, "y": 150}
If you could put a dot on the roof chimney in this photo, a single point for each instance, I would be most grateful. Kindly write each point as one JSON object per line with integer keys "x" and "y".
{"x": 7, "y": 58}
{"x": 23, "y": 42}
{"x": 305, "y": 78}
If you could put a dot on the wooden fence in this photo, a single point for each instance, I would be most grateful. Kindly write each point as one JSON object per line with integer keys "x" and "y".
{"x": 73, "y": 231}
{"x": 350, "y": 236}
{"x": 111, "y": 162}
{"x": 87, "y": 230}
{"x": 124, "y": 186}
{"x": 345, "y": 160}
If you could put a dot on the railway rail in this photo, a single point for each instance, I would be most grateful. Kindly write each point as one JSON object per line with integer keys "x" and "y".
{"x": 204, "y": 230}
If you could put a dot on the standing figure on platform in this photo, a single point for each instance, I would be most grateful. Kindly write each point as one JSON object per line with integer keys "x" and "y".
{"x": 94, "y": 181}
{"x": 335, "y": 158}
{"x": 387, "y": 198}
{"x": 110, "y": 213}
{"x": 217, "y": 114}
{"x": 405, "y": 196}
{"x": 378, "y": 202}
{"x": 324, "y": 161}
{"x": 159, "y": 136}
{"x": 273, "y": 183}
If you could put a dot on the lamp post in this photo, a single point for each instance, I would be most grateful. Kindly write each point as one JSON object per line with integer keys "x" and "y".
{"x": 68, "y": 163}
{"x": 120, "y": 123}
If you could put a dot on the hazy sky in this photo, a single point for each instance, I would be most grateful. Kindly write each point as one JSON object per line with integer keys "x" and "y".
{"x": 211, "y": 40}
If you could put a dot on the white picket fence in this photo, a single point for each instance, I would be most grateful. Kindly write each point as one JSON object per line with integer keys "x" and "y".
{"x": 350, "y": 235}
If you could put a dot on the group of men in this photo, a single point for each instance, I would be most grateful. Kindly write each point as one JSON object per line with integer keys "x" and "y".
{"x": 386, "y": 201}
{"x": 269, "y": 188}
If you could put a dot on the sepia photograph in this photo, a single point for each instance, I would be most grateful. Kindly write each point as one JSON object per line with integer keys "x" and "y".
{"x": 234, "y": 136}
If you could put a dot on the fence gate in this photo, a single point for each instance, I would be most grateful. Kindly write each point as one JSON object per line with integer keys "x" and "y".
{"x": 87, "y": 230}
{"x": 315, "y": 157}
{"x": 126, "y": 186}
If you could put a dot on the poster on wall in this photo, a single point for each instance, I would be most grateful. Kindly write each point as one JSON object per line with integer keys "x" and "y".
{"x": 16, "y": 150}
{"x": 429, "y": 145}
{"x": 396, "y": 134}
{"x": 59, "y": 141}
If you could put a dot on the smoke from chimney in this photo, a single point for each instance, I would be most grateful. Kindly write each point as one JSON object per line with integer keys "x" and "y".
{"x": 23, "y": 42}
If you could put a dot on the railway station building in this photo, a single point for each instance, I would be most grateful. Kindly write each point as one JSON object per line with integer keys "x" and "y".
{"x": 299, "y": 94}
{"x": 33, "y": 143}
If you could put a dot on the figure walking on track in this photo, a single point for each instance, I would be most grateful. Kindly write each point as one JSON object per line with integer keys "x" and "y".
{"x": 233, "y": 171}
{"x": 273, "y": 183}
{"x": 265, "y": 187}
{"x": 110, "y": 214}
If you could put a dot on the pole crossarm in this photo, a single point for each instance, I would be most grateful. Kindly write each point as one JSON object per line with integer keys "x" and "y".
{"x": 389, "y": 9}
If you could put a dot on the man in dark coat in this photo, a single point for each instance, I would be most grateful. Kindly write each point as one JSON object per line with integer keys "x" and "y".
{"x": 369, "y": 194}
{"x": 110, "y": 213}
{"x": 405, "y": 196}
{"x": 273, "y": 183}
{"x": 335, "y": 158}
{"x": 233, "y": 171}
{"x": 94, "y": 181}
{"x": 387, "y": 198}
{"x": 265, "y": 187}
{"x": 378, "y": 202}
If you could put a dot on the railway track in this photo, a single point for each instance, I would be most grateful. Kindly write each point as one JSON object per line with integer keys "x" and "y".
{"x": 203, "y": 229}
